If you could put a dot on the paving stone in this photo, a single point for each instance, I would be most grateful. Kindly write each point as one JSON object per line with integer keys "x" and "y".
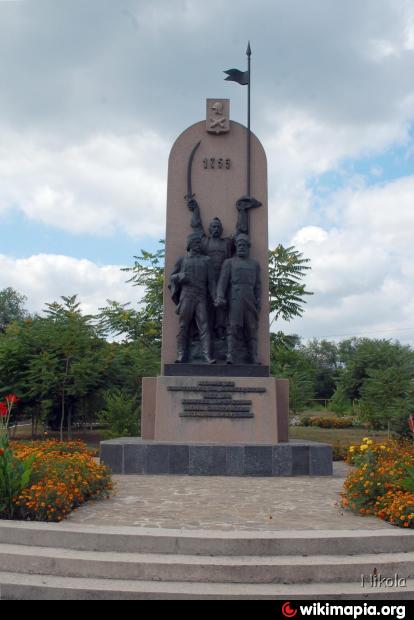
{"x": 227, "y": 503}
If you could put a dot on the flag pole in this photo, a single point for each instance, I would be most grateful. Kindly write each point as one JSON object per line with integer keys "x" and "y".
{"x": 248, "y": 53}
{"x": 243, "y": 78}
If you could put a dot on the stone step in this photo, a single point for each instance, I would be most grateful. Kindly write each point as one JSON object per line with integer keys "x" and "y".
{"x": 207, "y": 542}
{"x": 191, "y": 568}
{"x": 15, "y": 586}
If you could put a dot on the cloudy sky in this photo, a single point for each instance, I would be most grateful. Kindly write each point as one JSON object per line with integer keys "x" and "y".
{"x": 94, "y": 92}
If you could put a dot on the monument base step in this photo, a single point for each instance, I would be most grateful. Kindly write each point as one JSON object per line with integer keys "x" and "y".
{"x": 295, "y": 458}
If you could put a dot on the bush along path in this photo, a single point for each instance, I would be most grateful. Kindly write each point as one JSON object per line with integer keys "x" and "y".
{"x": 382, "y": 481}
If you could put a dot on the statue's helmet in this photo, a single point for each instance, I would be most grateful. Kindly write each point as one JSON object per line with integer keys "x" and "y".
{"x": 243, "y": 237}
{"x": 193, "y": 237}
{"x": 216, "y": 220}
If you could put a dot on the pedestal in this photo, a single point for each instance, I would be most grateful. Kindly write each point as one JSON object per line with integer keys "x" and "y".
{"x": 247, "y": 410}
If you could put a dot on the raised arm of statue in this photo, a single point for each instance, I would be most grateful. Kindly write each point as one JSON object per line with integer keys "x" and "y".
{"x": 196, "y": 222}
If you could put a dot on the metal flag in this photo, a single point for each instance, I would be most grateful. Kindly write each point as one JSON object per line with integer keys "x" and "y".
{"x": 235, "y": 75}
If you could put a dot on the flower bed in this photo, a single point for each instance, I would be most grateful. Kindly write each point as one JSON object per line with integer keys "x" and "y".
{"x": 49, "y": 480}
{"x": 327, "y": 422}
{"x": 382, "y": 483}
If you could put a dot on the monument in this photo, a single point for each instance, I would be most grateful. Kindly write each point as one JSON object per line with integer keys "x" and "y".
{"x": 215, "y": 409}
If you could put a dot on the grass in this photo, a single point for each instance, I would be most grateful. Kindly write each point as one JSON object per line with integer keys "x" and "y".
{"x": 334, "y": 436}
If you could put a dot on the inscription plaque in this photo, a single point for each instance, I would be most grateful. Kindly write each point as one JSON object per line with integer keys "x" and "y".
{"x": 217, "y": 400}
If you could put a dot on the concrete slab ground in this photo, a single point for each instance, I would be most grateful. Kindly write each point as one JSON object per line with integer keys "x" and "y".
{"x": 223, "y": 503}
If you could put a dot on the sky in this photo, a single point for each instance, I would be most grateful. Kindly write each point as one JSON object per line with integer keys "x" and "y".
{"x": 93, "y": 94}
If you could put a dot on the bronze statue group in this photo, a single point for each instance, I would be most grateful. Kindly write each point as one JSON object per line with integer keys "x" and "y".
{"x": 217, "y": 289}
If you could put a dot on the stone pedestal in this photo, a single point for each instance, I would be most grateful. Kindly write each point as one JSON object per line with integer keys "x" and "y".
{"x": 248, "y": 410}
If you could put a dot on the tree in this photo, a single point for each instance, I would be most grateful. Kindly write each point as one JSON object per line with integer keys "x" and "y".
{"x": 119, "y": 414}
{"x": 287, "y": 267}
{"x": 387, "y": 398}
{"x": 362, "y": 356}
{"x": 288, "y": 360}
{"x": 378, "y": 375}
{"x": 148, "y": 271}
{"x": 11, "y": 307}
{"x": 75, "y": 346}
{"x": 55, "y": 362}
{"x": 324, "y": 359}
{"x": 144, "y": 324}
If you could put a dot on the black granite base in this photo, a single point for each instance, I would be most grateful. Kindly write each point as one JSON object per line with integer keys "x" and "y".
{"x": 216, "y": 370}
{"x": 296, "y": 458}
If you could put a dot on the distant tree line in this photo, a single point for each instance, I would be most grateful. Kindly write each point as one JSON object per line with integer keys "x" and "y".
{"x": 370, "y": 378}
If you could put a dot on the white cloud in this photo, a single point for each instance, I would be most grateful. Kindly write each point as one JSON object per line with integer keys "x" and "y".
{"x": 44, "y": 278}
{"x": 102, "y": 185}
{"x": 362, "y": 268}
{"x": 301, "y": 147}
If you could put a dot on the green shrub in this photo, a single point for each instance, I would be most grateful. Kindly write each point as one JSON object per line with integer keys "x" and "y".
{"x": 15, "y": 475}
{"x": 121, "y": 415}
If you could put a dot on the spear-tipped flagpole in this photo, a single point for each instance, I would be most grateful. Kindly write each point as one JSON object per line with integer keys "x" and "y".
{"x": 244, "y": 78}
{"x": 249, "y": 153}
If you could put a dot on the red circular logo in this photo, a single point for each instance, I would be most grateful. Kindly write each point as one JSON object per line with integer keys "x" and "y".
{"x": 288, "y": 611}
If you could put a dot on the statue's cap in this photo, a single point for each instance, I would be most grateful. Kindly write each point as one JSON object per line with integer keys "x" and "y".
{"x": 243, "y": 237}
{"x": 193, "y": 237}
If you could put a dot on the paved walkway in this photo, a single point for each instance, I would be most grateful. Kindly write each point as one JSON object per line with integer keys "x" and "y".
{"x": 223, "y": 503}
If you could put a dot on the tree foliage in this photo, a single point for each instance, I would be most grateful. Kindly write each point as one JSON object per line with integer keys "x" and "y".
{"x": 287, "y": 267}
{"x": 289, "y": 361}
{"x": 360, "y": 357}
{"x": 119, "y": 415}
{"x": 387, "y": 398}
{"x": 11, "y": 307}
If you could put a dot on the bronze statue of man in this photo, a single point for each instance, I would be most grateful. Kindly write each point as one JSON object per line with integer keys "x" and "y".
{"x": 192, "y": 282}
{"x": 239, "y": 286}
